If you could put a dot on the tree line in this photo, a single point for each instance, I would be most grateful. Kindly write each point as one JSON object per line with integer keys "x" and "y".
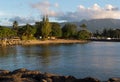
{"x": 112, "y": 33}
{"x": 44, "y": 30}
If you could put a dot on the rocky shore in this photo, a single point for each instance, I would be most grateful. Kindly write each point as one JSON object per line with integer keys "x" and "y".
{"x": 25, "y": 75}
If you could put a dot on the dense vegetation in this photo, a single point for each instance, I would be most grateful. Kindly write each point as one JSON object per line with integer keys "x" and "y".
{"x": 45, "y": 30}
{"x": 26, "y": 32}
{"x": 7, "y": 32}
{"x": 111, "y": 33}
{"x": 69, "y": 30}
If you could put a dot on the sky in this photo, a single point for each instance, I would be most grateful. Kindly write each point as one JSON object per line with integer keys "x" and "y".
{"x": 31, "y": 11}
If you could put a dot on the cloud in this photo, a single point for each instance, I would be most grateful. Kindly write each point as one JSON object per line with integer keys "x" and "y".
{"x": 45, "y": 8}
{"x": 56, "y": 5}
{"x": 22, "y": 20}
{"x": 109, "y": 7}
{"x": 94, "y": 12}
{"x": 81, "y": 12}
{"x": 1, "y": 13}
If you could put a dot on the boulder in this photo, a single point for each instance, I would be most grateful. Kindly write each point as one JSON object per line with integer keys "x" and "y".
{"x": 43, "y": 80}
{"x": 49, "y": 75}
{"x": 70, "y": 79}
{"x": 58, "y": 79}
{"x": 21, "y": 70}
{"x": 89, "y": 79}
{"x": 114, "y": 80}
{"x": 48, "y": 80}
{"x": 4, "y": 71}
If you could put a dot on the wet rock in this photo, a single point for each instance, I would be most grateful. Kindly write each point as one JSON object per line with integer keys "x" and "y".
{"x": 25, "y": 75}
{"x": 114, "y": 80}
{"x": 32, "y": 72}
{"x": 48, "y": 80}
{"x": 21, "y": 70}
{"x": 28, "y": 80}
{"x": 39, "y": 77}
{"x": 89, "y": 79}
{"x": 5, "y": 78}
{"x": 58, "y": 79}
{"x": 43, "y": 80}
{"x": 49, "y": 75}
{"x": 70, "y": 79}
{"x": 4, "y": 71}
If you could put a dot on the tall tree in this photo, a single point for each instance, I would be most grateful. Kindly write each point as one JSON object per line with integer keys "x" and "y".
{"x": 15, "y": 25}
{"x": 46, "y": 28}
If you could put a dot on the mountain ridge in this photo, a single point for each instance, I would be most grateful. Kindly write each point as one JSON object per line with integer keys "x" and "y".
{"x": 98, "y": 24}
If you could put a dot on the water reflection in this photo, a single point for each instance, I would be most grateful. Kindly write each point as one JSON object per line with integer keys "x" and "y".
{"x": 7, "y": 51}
{"x": 100, "y": 60}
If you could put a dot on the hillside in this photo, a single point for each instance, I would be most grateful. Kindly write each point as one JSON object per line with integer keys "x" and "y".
{"x": 99, "y": 24}
{"x": 96, "y": 24}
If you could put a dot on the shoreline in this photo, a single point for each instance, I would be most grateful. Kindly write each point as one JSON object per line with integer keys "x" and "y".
{"x": 105, "y": 40}
{"x": 56, "y": 41}
{"x": 37, "y": 42}
{"x": 25, "y": 75}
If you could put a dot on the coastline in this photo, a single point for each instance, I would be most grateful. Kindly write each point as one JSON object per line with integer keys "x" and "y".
{"x": 25, "y": 75}
{"x": 56, "y": 41}
{"x": 37, "y": 42}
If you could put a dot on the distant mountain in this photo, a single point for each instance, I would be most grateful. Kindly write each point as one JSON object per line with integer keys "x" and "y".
{"x": 99, "y": 24}
{"x": 96, "y": 24}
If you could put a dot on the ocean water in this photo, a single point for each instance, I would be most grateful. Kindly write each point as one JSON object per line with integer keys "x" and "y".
{"x": 96, "y": 59}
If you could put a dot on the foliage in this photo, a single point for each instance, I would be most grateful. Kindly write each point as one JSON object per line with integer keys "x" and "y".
{"x": 45, "y": 29}
{"x": 15, "y": 25}
{"x": 38, "y": 26}
{"x": 6, "y": 32}
{"x": 56, "y": 30}
{"x": 83, "y": 34}
{"x": 69, "y": 30}
{"x": 27, "y": 32}
{"x": 83, "y": 26}
{"x": 116, "y": 33}
{"x": 97, "y": 34}
{"x": 112, "y": 33}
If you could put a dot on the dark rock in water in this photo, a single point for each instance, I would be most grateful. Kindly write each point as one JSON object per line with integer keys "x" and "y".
{"x": 25, "y": 75}
{"x": 49, "y": 75}
{"x": 21, "y": 70}
{"x": 70, "y": 79}
{"x": 114, "y": 80}
{"x": 88, "y": 79}
{"x": 58, "y": 79}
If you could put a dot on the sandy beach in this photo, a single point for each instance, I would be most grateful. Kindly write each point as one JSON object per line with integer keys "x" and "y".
{"x": 34, "y": 42}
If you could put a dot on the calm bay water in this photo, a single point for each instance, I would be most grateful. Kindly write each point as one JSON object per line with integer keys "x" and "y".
{"x": 95, "y": 59}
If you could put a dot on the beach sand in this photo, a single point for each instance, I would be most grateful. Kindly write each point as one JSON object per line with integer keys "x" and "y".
{"x": 34, "y": 42}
